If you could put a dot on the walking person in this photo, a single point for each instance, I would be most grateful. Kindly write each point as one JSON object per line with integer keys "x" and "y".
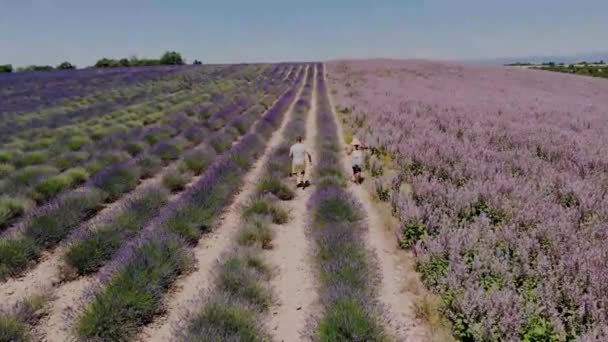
{"x": 298, "y": 154}
{"x": 356, "y": 159}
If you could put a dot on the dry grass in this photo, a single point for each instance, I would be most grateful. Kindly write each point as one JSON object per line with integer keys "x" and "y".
{"x": 427, "y": 308}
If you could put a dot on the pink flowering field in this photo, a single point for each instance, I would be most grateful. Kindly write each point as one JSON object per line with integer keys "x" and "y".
{"x": 507, "y": 211}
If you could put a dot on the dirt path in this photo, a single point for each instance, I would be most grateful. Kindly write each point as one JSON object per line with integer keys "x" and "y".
{"x": 294, "y": 283}
{"x": 395, "y": 266}
{"x": 187, "y": 291}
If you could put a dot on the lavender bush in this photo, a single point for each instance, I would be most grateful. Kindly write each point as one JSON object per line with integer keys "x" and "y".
{"x": 508, "y": 174}
{"x": 336, "y": 226}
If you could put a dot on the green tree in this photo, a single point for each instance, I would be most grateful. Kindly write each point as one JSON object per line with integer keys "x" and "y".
{"x": 197, "y": 62}
{"x": 36, "y": 68}
{"x": 172, "y": 58}
{"x": 104, "y": 63}
{"x": 66, "y": 66}
{"x": 6, "y": 68}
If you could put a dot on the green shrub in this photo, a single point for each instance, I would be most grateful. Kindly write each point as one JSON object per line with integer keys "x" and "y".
{"x": 196, "y": 161}
{"x": 118, "y": 180}
{"x": 10, "y": 208}
{"x": 220, "y": 143}
{"x": 29, "y": 176}
{"x": 240, "y": 277}
{"x": 133, "y": 296}
{"x": 93, "y": 166}
{"x": 86, "y": 256}
{"x": 135, "y": 148}
{"x": 15, "y": 255}
{"x": 265, "y": 207}
{"x": 175, "y": 181}
{"x": 6, "y": 156}
{"x": 155, "y": 137}
{"x": 70, "y": 159}
{"x": 334, "y": 209}
{"x": 113, "y": 157}
{"x": 149, "y": 166}
{"x": 77, "y": 175}
{"x": 51, "y": 226}
{"x": 276, "y": 187}
{"x": 413, "y": 231}
{"x": 6, "y": 169}
{"x": 538, "y": 329}
{"x": 433, "y": 270}
{"x": 256, "y": 232}
{"x": 167, "y": 151}
{"x": 346, "y": 320}
{"x": 222, "y": 321}
{"x": 30, "y": 158}
{"x": 75, "y": 143}
{"x": 41, "y": 144}
{"x": 12, "y": 329}
{"x": 190, "y": 221}
{"x": 50, "y": 187}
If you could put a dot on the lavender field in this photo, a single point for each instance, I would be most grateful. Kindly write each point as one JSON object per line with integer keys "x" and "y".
{"x": 109, "y": 178}
{"x": 499, "y": 177}
{"x": 160, "y": 204}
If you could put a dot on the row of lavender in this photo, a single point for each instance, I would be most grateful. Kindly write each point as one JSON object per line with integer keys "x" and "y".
{"x": 24, "y": 92}
{"x": 141, "y": 96}
{"x": 52, "y": 223}
{"x": 241, "y": 297}
{"x": 57, "y": 172}
{"x": 138, "y": 276}
{"x": 337, "y": 226}
{"x": 509, "y": 179}
{"x": 27, "y": 125}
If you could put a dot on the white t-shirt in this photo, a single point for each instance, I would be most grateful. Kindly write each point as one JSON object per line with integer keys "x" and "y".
{"x": 357, "y": 158}
{"x": 298, "y": 153}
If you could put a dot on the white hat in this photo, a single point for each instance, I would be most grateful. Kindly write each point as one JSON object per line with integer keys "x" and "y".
{"x": 355, "y": 142}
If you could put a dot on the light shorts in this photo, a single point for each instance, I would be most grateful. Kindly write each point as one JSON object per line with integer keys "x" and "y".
{"x": 298, "y": 168}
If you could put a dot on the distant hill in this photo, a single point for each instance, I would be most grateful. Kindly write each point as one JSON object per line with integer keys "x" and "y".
{"x": 574, "y": 58}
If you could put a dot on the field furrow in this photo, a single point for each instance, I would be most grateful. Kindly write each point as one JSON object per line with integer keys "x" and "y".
{"x": 290, "y": 253}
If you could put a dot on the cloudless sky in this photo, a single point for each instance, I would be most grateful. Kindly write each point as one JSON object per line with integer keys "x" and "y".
{"x": 82, "y": 31}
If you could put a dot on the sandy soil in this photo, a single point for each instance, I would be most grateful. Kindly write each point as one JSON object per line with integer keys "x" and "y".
{"x": 294, "y": 283}
{"x": 395, "y": 266}
{"x": 187, "y": 291}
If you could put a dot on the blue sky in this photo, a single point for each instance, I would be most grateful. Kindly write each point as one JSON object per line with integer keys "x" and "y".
{"x": 50, "y": 31}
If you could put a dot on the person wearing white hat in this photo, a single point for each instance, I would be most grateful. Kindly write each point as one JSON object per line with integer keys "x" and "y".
{"x": 356, "y": 159}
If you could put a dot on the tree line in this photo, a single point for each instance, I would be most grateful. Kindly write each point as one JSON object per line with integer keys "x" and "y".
{"x": 168, "y": 58}
{"x": 63, "y": 66}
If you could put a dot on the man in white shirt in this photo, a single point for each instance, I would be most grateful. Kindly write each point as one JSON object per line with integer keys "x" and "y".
{"x": 298, "y": 154}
